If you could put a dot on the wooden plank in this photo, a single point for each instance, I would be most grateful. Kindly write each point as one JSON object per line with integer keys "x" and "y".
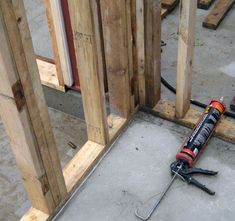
{"x": 24, "y": 111}
{"x": 54, "y": 42}
{"x": 48, "y": 75}
{"x": 130, "y": 52}
{"x": 166, "y": 109}
{"x": 115, "y": 123}
{"x": 204, "y": 4}
{"x": 61, "y": 40}
{"x": 35, "y": 215}
{"x": 83, "y": 15}
{"x": 169, "y": 4}
{"x": 185, "y": 56}
{"x": 217, "y": 14}
{"x": 140, "y": 49}
{"x": 81, "y": 164}
{"x": 152, "y": 13}
{"x": 114, "y": 23}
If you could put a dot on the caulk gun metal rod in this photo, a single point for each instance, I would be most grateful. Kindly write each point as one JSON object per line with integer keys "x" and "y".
{"x": 159, "y": 201}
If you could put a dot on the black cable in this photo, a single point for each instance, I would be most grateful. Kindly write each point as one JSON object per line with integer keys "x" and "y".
{"x": 197, "y": 103}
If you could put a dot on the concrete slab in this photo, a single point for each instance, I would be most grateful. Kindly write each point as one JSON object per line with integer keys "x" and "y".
{"x": 136, "y": 170}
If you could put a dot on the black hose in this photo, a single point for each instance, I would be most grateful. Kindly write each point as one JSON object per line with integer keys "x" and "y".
{"x": 197, "y": 103}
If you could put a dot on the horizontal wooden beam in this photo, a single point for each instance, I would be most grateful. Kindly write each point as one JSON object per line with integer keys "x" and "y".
{"x": 166, "y": 109}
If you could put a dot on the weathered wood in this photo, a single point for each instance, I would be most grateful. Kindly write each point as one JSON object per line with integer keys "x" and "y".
{"x": 35, "y": 215}
{"x": 140, "y": 49}
{"x": 204, "y": 4}
{"x": 166, "y": 109}
{"x": 61, "y": 40}
{"x": 185, "y": 56}
{"x": 169, "y": 4}
{"x": 24, "y": 112}
{"x": 114, "y": 22}
{"x": 216, "y": 15}
{"x": 130, "y": 52}
{"x": 152, "y": 13}
{"x": 87, "y": 44}
{"x": 76, "y": 171}
{"x": 54, "y": 42}
{"x": 48, "y": 74}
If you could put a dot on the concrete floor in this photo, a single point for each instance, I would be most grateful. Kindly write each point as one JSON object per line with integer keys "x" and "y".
{"x": 136, "y": 170}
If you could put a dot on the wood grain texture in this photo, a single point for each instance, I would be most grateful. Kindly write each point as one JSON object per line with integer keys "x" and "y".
{"x": 169, "y": 4}
{"x": 76, "y": 171}
{"x": 83, "y": 15}
{"x": 216, "y": 15}
{"x": 28, "y": 127}
{"x": 166, "y": 109}
{"x": 61, "y": 40}
{"x": 204, "y": 4}
{"x": 185, "y": 56}
{"x": 140, "y": 49}
{"x": 114, "y": 22}
{"x": 152, "y": 24}
{"x": 35, "y": 215}
{"x": 55, "y": 46}
{"x": 48, "y": 75}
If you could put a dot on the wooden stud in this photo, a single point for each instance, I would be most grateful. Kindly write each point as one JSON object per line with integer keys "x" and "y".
{"x": 114, "y": 22}
{"x": 152, "y": 11}
{"x": 185, "y": 56}
{"x": 140, "y": 49}
{"x": 61, "y": 40}
{"x": 54, "y": 42}
{"x": 87, "y": 43}
{"x": 24, "y": 112}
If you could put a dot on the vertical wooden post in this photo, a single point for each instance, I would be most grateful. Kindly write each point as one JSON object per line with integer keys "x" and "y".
{"x": 54, "y": 41}
{"x": 185, "y": 56}
{"x": 152, "y": 11}
{"x": 84, "y": 15}
{"x": 24, "y": 111}
{"x": 115, "y": 34}
{"x": 140, "y": 49}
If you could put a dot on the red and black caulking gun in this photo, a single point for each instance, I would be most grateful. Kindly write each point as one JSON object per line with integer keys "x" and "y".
{"x": 191, "y": 150}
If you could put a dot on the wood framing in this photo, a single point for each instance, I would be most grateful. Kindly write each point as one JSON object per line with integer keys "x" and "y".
{"x": 24, "y": 111}
{"x": 140, "y": 49}
{"x": 87, "y": 44}
{"x": 122, "y": 38}
{"x": 115, "y": 34}
{"x": 152, "y": 23}
{"x": 166, "y": 109}
{"x": 55, "y": 46}
{"x": 185, "y": 56}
